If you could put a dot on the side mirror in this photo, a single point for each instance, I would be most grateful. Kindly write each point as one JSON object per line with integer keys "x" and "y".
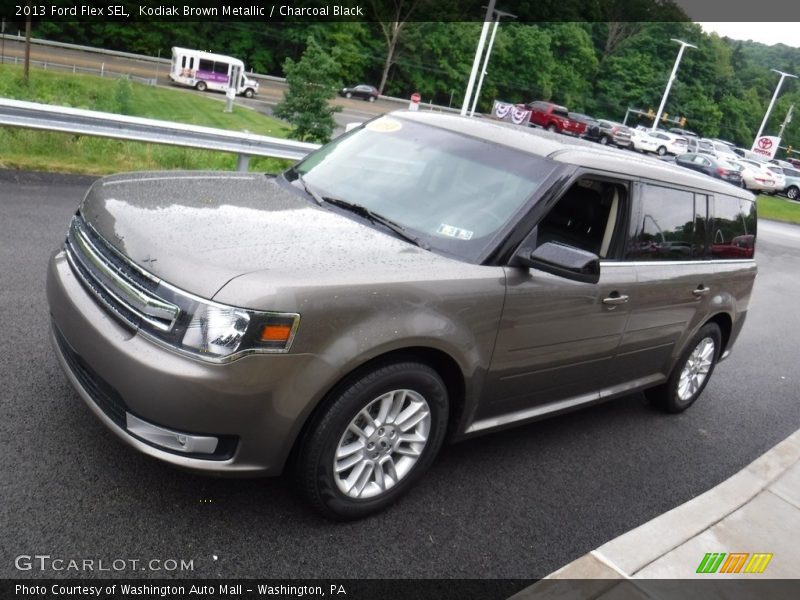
{"x": 564, "y": 261}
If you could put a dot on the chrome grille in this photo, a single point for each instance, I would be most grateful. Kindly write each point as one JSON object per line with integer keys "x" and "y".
{"x": 124, "y": 288}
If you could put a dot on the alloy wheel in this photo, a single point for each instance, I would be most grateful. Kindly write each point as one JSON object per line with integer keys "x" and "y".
{"x": 696, "y": 369}
{"x": 382, "y": 444}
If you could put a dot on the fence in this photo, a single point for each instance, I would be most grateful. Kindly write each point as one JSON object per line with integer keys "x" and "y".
{"x": 154, "y": 63}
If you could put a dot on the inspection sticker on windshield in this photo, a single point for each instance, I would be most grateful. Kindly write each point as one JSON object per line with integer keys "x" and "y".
{"x": 384, "y": 125}
{"x": 454, "y": 232}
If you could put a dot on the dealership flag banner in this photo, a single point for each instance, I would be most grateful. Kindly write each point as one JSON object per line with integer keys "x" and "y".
{"x": 509, "y": 112}
{"x": 766, "y": 146}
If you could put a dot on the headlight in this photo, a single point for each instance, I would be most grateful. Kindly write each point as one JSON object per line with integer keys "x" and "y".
{"x": 217, "y": 331}
{"x": 220, "y": 333}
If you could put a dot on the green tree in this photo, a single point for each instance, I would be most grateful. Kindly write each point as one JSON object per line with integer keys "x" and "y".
{"x": 571, "y": 47}
{"x": 312, "y": 81}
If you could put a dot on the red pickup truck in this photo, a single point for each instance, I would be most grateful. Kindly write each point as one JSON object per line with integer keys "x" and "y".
{"x": 554, "y": 118}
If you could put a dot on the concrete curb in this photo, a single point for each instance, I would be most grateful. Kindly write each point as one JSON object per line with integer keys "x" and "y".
{"x": 630, "y": 553}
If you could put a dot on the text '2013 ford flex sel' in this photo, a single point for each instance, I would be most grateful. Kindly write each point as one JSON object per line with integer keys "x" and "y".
{"x": 423, "y": 277}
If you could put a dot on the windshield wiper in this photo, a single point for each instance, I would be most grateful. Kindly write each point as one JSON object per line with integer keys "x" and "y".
{"x": 368, "y": 214}
{"x": 362, "y": 211}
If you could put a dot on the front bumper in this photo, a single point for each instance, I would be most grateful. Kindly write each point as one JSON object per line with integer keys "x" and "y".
{"x": 254, "y": 406}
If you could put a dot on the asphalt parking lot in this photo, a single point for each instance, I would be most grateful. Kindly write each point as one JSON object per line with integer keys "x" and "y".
{"x": 515, "y": 504}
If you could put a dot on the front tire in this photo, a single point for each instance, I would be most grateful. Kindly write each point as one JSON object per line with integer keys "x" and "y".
{"x": 691, "y": 372}
{"x": 248, "y": 93}
{"x": 604, "y": 140}
{"x": 348, "y": 95}
{"x": 378, "y": 434}
{"x": 552, "y": 127}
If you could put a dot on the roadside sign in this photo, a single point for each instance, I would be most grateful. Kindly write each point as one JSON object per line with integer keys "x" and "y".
{"x": 766, "y": 146}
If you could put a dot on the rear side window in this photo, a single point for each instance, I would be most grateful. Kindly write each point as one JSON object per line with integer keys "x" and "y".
{"x": 733, "y": 234}
{"x": 668, "y": 224}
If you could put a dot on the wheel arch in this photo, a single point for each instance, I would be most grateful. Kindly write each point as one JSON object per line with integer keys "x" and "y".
{"x": 440, "y": 361}
{"x": 725, "y": 324}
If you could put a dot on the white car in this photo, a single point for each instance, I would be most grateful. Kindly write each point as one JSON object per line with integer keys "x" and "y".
{"x": 756, "y": 177}
{"x": 659, "y": 142}
{"x": 719, "y": 149}
{"x": 670, "y": 143}
{"x": 780, "y": 178}
{"x": 643, "y": 142}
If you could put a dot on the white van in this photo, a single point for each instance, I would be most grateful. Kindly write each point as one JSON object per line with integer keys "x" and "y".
{"x": 206, "y": 71}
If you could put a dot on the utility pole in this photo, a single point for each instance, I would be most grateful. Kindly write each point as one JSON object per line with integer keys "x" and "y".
{"x": 498, "y": 15}
{"x": 684, "y": 45}
{"x": 3, "y": 42}
{"x": 478, "y": 53}
{"x": 772, "y": 102}
{"x": 27, "y": 49}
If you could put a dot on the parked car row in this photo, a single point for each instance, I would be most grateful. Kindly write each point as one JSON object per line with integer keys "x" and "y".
{"x": 714, "y": 157}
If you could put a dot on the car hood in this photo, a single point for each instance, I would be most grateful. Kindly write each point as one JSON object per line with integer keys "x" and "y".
{"x": 199, "y": 230}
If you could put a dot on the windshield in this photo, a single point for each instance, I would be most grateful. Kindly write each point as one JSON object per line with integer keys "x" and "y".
{"x": 456, "y": 193}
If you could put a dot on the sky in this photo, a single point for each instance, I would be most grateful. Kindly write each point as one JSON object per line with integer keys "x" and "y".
{"x": 766, "y": 33}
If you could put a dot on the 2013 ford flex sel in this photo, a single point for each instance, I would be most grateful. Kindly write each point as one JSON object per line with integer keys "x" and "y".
{"x": 421, "y": 278}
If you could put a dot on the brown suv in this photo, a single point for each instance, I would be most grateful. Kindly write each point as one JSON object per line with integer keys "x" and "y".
{"x": 421, "y": 278}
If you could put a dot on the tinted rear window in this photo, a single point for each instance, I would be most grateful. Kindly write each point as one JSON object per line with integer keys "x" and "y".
{"x": 733, "y": 234}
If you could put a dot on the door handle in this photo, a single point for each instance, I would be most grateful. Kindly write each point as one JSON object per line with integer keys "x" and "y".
{"x": 614, "y": 299}
{"x": 701, "y": 291}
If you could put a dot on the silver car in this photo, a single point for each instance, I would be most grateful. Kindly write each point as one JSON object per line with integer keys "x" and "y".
{"x": 422, "y": 278}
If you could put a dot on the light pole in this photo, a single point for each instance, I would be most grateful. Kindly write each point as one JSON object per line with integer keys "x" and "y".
{"x": 671, "y": 79}
{"x": 478, "y": 53}
{"x": 498, "y": 15}
{"x": 772, "y": 102}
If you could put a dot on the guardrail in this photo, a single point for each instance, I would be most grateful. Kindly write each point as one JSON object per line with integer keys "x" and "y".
{"x": 31, "y": 115}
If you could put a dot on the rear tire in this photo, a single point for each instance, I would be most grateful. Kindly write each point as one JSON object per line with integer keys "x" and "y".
{"x": 377, "y": 436}
{"x": 371, "y": 99}
{"x": 792, "y": 192}
{"x": 691, "y": 373}
{"x": 201, "y": 86}
{"x": 661, "y": 151}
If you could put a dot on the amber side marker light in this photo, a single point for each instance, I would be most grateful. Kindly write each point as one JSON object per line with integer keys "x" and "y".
{"x": 276, "y": 333}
